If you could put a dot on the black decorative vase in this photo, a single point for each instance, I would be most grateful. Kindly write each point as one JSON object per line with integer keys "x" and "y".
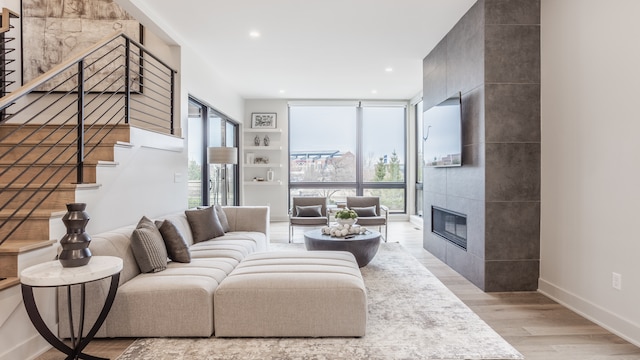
{"x": 75, "y": 244}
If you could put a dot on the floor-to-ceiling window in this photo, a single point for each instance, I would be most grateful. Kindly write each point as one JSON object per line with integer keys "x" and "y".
{"x": 383, "y": 154}
{"x": 210, "y": 183}
{"x": 348, "y": 148}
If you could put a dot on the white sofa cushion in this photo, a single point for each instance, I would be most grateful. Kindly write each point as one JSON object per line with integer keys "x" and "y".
{"x": 174, "y": 302}
{"x": 291, "y": 293}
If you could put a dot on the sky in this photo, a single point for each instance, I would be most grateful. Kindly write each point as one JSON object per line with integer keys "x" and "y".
{"x": 334, "y": 128}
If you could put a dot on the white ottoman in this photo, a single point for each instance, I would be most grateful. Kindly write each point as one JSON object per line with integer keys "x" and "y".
{"x": 292, "y": 294}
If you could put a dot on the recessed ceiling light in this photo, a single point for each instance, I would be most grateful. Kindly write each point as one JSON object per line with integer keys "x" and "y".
{"x": 281, "y": 91}
{"x": 374, "y": 91}
{"x": 389, "y": 69}
{"x": 254, "y": 34}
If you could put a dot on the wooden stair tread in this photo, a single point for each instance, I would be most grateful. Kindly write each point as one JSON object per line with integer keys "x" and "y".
{"x": 36, "y": 214}
{"x": 9, "y": 282}
{"x": 14, "y": 247}
{"x": 66, "y": 126}
{"x": 55, "y": 163}
{"x": 32, "y": 143}
{"x": 62, "y": 186}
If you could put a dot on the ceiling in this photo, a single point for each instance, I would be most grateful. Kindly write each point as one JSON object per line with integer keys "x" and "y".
{"x": 312, "y": 49}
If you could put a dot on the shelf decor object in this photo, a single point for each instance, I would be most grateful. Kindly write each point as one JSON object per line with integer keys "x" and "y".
{"x": 75, "y": 243}
{"x": 263, "y": 120}
{"x": 262, "y": 152}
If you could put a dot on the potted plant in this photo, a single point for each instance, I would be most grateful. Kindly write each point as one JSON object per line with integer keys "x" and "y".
{"x": 346, "y": 216}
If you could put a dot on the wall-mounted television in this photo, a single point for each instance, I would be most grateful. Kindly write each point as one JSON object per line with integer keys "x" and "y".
{"x": 443, "y": 133}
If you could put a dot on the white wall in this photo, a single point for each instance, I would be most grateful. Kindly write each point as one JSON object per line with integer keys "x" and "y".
{"x": 590, "y": 159}
{"x": 150, "y": 179}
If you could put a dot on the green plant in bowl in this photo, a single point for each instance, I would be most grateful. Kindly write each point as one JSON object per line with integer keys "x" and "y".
{"x": 346, "y": 214}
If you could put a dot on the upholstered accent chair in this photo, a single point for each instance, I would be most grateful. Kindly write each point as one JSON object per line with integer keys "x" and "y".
{"x": 307, "y": 211}
{"x": 370, "y": 212}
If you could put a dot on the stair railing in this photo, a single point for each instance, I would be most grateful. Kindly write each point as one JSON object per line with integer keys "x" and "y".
{"x": 6, "y": 60}
{"x": 114, "y": 82}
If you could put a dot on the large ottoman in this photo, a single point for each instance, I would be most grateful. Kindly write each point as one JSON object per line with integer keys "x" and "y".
{"x": 292, "y": 294}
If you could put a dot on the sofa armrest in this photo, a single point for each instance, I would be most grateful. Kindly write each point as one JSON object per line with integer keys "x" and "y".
{"x": 248, "y": 218}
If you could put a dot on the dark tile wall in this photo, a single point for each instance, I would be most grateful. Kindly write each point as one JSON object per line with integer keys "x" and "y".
{"x": 491, "y": 56}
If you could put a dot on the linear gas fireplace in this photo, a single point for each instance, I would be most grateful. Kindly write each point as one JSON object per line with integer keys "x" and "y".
{"x": 450, "y": 225}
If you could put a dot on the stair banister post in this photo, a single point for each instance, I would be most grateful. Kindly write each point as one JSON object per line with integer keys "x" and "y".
{"x": 80, "y": 153}
{"x": 127, "y": 78}
{"x": 173, "y": 84}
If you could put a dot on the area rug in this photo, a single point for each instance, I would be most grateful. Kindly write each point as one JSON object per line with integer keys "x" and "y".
{"x": 412, "y": 315}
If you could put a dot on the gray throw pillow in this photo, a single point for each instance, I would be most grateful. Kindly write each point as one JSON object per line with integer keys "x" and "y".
{"x": 365, "y": 211}
{"x": 148, "y": 247}
{"x": 174, "y": 241}
{"x": 309, "y": 211}
{"x": 204, "y": 224}
{"x": 223, "y": 218}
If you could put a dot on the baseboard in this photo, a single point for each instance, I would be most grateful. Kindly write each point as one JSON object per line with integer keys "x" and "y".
{"x": 625, "y": 329}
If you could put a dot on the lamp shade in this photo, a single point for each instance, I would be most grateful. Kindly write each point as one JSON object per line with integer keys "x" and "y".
{"x": 223, "y": 155}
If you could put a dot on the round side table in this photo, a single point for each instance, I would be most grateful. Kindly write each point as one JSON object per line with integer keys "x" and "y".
{"x": 52, "y": 274}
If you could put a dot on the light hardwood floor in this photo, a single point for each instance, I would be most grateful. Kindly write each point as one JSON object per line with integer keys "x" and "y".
{"x": 535, "y": 325}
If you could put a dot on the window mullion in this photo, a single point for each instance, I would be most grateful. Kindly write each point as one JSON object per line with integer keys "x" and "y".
{"x": 206, "y": 178}
{"x": 359, "y": 150}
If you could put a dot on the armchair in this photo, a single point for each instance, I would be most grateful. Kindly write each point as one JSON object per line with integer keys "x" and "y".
{"x": 370, "y": 212}
{"x": 307, "y": 211}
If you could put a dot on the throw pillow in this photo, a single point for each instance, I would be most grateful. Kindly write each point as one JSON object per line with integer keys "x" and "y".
{"x": 365, "y": 211}
{"x": 309, "y": 211}
{"x": 174, "y": 241}
{"x": 148, "y": 247}
{"x": 204, "y": 224}
{"x": 222, "y": 216}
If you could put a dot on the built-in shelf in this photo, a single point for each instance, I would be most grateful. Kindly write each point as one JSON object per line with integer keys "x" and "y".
{"x": 263, "y": 165}
{"x": 263, "y": 183}
{"x": 258, "y": 148}
{"x": 263, "y": 130}
{"x": 255, "y": 156}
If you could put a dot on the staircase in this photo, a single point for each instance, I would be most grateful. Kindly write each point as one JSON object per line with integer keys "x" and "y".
{"x": 56, "y": 130}
{"x": 37, "y": 182}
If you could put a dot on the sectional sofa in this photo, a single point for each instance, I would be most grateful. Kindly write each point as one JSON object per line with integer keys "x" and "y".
{"x": 254, "y": 292}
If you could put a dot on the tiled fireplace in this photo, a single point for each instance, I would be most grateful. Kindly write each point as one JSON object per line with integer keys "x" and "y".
{"x": 450, "y": 225}
{"x": 492, "y": 57}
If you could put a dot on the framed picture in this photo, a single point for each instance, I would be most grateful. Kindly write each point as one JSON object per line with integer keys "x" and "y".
{"x": 263, "y": 120}
{"x": 261, "y": 160}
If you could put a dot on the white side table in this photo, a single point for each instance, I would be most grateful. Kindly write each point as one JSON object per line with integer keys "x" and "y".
{"x": 52, "y": 274}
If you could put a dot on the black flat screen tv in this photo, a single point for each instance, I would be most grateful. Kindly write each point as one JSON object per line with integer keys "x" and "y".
{"x": 443, "y": 133}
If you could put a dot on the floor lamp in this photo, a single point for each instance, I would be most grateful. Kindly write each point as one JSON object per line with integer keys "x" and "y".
{"x": 222, "y": 156}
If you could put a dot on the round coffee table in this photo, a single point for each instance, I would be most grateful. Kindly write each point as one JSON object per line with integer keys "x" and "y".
{"x": 364, "y": 247}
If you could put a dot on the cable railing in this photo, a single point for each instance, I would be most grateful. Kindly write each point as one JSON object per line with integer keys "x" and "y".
{"x": 53, "y": 127}
{"x": 7, "y": 61}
